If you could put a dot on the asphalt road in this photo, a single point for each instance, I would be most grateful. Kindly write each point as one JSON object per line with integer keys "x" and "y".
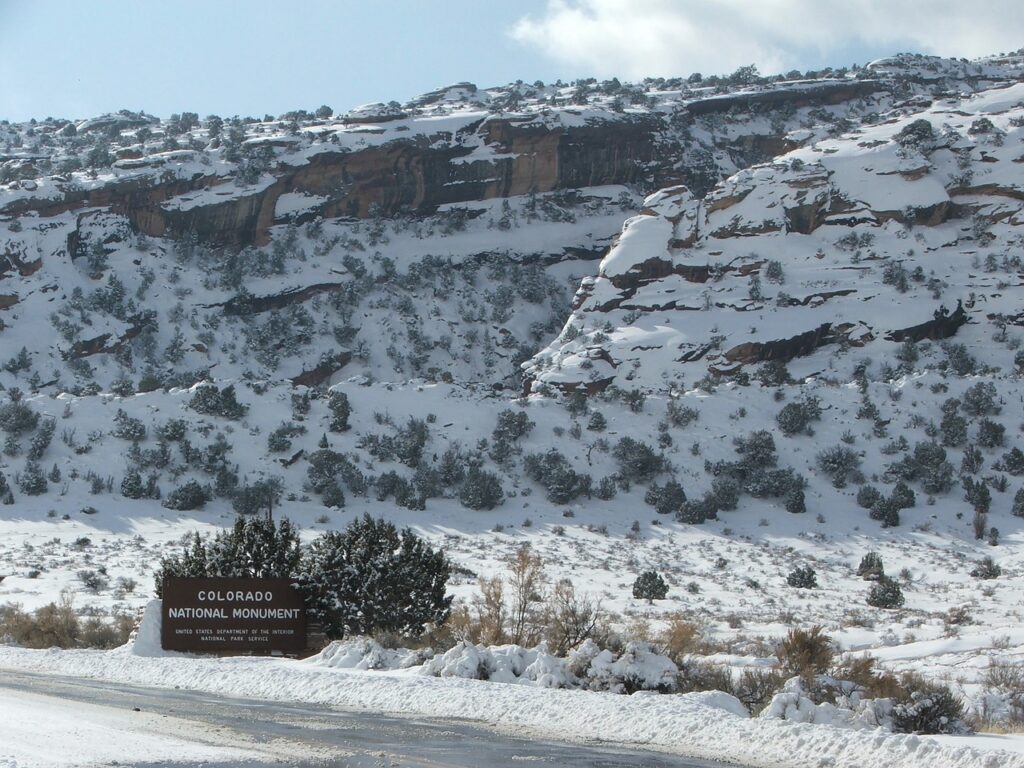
{"x": 315, "y": 737}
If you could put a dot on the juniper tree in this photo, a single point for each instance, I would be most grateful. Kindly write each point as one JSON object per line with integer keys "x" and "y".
{"x": 210, "y": 400}
{"x": 187, "y": 497}
{"x": 667, "y": 499}
{"x": 980, "y": 399}
{"x": 17, "y": 417}
{"x": 638, "y": 462}
{"x": 259, "y": 497}
{"x": 480, "y": 490}
{"x": 990, "y": 434}
{"x": 31, "y": 480}
{"x": 868, "y": 496}
{"x": 371, "y": 577}
{"x": 885, "y": 593}
{"x": 254, "y": 547}
{"x": 1018, "y": 503}
{"x": 6, "y": 497}
{"x": 337, "y": 404}
{"x": 796, "y": 501}
{"x": 132, "y": 486}
{"x": 1012, "y": 461}
{"x": 802, "y": 577}
{"x": 41, "y": 439}
{"x": 650, "y": 586}
{"x": 870, "y": 568}
{"x": 796, "y": 417}
{"x": 553, "y": 471}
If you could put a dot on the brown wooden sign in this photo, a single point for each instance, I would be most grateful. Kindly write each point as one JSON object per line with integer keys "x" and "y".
{"x": 227, "y": 615}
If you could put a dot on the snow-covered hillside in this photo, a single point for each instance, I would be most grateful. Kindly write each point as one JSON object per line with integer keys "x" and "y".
{"x": 804, "y": 346}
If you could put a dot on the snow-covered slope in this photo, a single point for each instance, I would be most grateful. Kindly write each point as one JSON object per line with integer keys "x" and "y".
{"x": 909, "y": 229}
{"x": 820, "y": 299}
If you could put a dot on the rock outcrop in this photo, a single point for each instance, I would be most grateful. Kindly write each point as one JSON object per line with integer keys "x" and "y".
{"x": 850, "y": 242}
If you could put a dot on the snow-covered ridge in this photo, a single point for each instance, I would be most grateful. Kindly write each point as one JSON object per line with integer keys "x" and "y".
{"x": 811, "y": 252}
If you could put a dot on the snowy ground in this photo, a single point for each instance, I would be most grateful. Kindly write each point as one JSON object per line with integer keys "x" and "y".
{"x": 705, "y": 725}
{"x": 44, "y": 732}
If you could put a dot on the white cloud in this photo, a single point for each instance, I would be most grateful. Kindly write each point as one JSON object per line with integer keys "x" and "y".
{"x": 636, "y": 38}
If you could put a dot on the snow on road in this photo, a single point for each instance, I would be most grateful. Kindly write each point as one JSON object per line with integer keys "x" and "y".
{"x": 693, "y": 725}
{"x": 47, "y": 732}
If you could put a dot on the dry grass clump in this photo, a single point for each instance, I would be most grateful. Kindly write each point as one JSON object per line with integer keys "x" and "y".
{"x": 805, "y": 652}
{"x": 57, "y": 625}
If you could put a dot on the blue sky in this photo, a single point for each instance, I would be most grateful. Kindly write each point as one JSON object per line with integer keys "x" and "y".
{"x": 76, "y": 58}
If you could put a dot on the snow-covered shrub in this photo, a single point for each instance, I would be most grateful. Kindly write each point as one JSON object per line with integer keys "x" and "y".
{"x": 6, "y": 497}
{"x": 650, "y": 586}
{"x": 279, "y": 440}
{"x": 1012, "y": 462}
{"x": 903, "y": 496}
{"x": 756, "y": 450}
{"x": 128, "y": 427}
{"x": 926, "y": 464}
{"x": 132, "y": 486}
{"x": 17, "y": 417}
{"x": 795, "y": 417}
{"x": 480, "y": 490}
{"x": 667, "y": 499}
{"x": 953, "y": 428}
{"x": 93, "y": 580}
{"x": 373, "y": 577}
{"x": 31, "y": 480}
{"x": 512, "y": 425}
{"x": 340, "y": 410}
{"x": 261, "y": 496}
{"x": 679, "y": 415}
{"x": 918, "y": 134}
{"x": 172, "y": 431}
{"x": 870, "y": 568}
{"x": 254, "y": 547}
{"x": 886, "y": 593}
{"x": 189, "y": 496}
{"x": 838, "y": 462}
{"x": 802, "y": 577}
{"x": 773, "y": 373}
{"x": 696, "y": 511}
{"x": 367, "y": 654}
{"x": 931, "y": 708}
{"x": 637, "y": 668}
{"x": 977, "y": 494}
{"x": 1018, "y": 503}
{"x": 796, "y": 502}
{"x": 868, "y": 496}
{"x": 981, "y": 399}
{"x": 959, "y": 360}
{"x": 211, "y": 401}
{"x": 553, "y": 471}
{"x": 606, "y": 489}
{"x": 991, "y": 434}
{"x": 986, "y": 568}
{"x": 895, "y": 274}
{"x": 724, "y": 493}
{"x": 41, "y": 439}
{"x": 638, "y": 462}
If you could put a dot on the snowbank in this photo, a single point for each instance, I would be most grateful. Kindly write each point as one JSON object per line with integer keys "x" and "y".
{"x": 636, "y": 669}
{"x": 699, "y": 725}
